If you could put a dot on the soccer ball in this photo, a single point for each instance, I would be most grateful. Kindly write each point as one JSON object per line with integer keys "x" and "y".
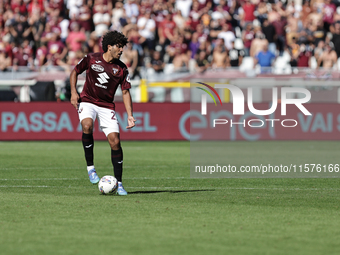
{"x": 107, "y": 184}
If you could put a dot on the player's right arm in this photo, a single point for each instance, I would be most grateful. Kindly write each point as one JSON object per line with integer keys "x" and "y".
{"x": 79, "y": 68}
{"x": 73, "y": 85}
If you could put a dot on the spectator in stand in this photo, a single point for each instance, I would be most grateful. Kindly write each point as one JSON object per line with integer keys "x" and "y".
{"x": 56, "y": 50}
{"x": 202, "y": 63}
{"x": 280, "y": 31}
{"x": 195, "y": 15}
{"x": 5, "y": 61}
{"x": 101, "y": 20}
{"x": 179, "y": 20}
{"x": 304, "y": 59}
{"x": 17, "y": 26}
{"x": 294, "y": 51}
{"x": 47, "y": 34}
{"x": 262, "y": 12}
{"x": 93, "y": 44}
{"x": 265, "y": 59}
{"x": 20, "y": 5}
{"x": 319, "y": 33}
{"x": 235, "y": 56}
{"x": 236, "y": 13}
{"x": 194, "y": 45}
{"x": 54, "y": 8}
{"x": 248, "y": 36}
{"x": 6, "y": 43}
{"x": 270, "y": 34}
{"x": 201, "y": 33}
{"x": 220, "y": 13}
{"x": 184, "y": 6}
{"x": 306, "y": 10}
{"x": 130, "y": 58}
{"x": 85, "y": 19}
{"x": 319, "y": 50}
{"x": 205, "y": 5}
{"x": 248, "y": 15}
{"x": 166, "y": 30}
{"x": 117, "y": 13}
{"x": 71, "y": 60}
{"x": 75, "y": 38}
{"x": 292, "y": 27}
{"x": 315, "y": 17}
{"x": 102, "y": 5}
{"x": 36, "y": 6}
{"x": 41, "y": 55}
{"x": 29, "y": 28}
{"x": 328, "y": 11}
{"x": 219, "y": 59}
{"x": 132, "y": 12}
{"x": 54, "y": 22}
{"x": 258, "y": 43}
{"x": 328, "y": 58}
{"x": 146, "y": 29}
{"x": 23, "y": 56}
{"x": 305, "y": 34}
{"x": 156, "y": 62}
{"x": 227, "y": 35}
{"x": 177, "y": 51}
{"x": 336, "y": 38}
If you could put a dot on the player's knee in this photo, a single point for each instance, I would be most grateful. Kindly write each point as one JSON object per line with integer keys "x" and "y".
{"x": 114, "y": 142}
{"x": 87, "y": 128}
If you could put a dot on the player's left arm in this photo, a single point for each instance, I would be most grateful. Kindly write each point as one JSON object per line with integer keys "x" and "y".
{"x": 128, "y": 107}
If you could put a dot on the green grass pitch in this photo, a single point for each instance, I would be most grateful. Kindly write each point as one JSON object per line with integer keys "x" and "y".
{"x": 48, "y": 206}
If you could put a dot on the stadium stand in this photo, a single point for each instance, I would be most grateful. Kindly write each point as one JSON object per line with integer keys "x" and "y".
{"x": 41, "y": 41}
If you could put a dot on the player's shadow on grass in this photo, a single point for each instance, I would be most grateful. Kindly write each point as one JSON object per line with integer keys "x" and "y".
{"x": 169, "y": 191}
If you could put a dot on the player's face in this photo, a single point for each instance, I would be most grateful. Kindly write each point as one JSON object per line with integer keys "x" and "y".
{"x": 116, "y": 51}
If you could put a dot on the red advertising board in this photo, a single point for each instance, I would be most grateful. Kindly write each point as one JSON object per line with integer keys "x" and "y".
{"x": 59, "y": 121}
{"x": 219, "y": 123}
{"x": 171, "y": 121}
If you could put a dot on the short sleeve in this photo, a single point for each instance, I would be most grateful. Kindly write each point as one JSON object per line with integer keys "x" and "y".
{"x": 126, "y": 80}
{"x": 82, "y": 65}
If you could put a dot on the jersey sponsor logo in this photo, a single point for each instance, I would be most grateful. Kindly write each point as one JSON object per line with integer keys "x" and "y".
{"x": 98, "y": 61}
{"x": 103, "y": 78}
{"x": 114, "y": 71}
{"x": 100, "y": 86}
{"x": 97, "y": 68}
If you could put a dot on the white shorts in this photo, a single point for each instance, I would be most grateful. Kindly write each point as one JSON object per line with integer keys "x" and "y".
{"x": 107, "y": 118}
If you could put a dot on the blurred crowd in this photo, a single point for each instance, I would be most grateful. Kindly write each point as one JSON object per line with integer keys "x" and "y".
{"x": 191, "y": 35}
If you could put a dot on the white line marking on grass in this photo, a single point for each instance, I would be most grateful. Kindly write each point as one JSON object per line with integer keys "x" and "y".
{"x": 65, "y": 179}
{"x": 26, "y": 186}
{"x": 43, "y": 179}
{"x": 233, "y": 188}
{"x": 75, "y": 168}
{"x": 155, "y": 178}
{"x": 41, "y": 186}
{"x": 37, "y": 168}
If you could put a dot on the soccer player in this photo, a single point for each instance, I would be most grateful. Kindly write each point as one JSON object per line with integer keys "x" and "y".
{"x": 104, "y": 73}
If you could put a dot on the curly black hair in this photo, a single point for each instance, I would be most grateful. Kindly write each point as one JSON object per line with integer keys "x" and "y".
{"x": 114, "y": 38}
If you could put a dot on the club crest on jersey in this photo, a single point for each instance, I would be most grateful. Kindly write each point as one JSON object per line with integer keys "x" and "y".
{"x": 97, "y": 68}
{"x": 114, "y": 71}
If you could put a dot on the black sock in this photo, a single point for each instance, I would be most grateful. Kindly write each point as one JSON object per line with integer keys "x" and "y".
{"x": 88, "y": 144}
{"x": 117, "y": 162}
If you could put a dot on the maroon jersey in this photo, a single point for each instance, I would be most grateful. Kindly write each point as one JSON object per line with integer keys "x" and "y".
{"x": 102, "y": 79}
